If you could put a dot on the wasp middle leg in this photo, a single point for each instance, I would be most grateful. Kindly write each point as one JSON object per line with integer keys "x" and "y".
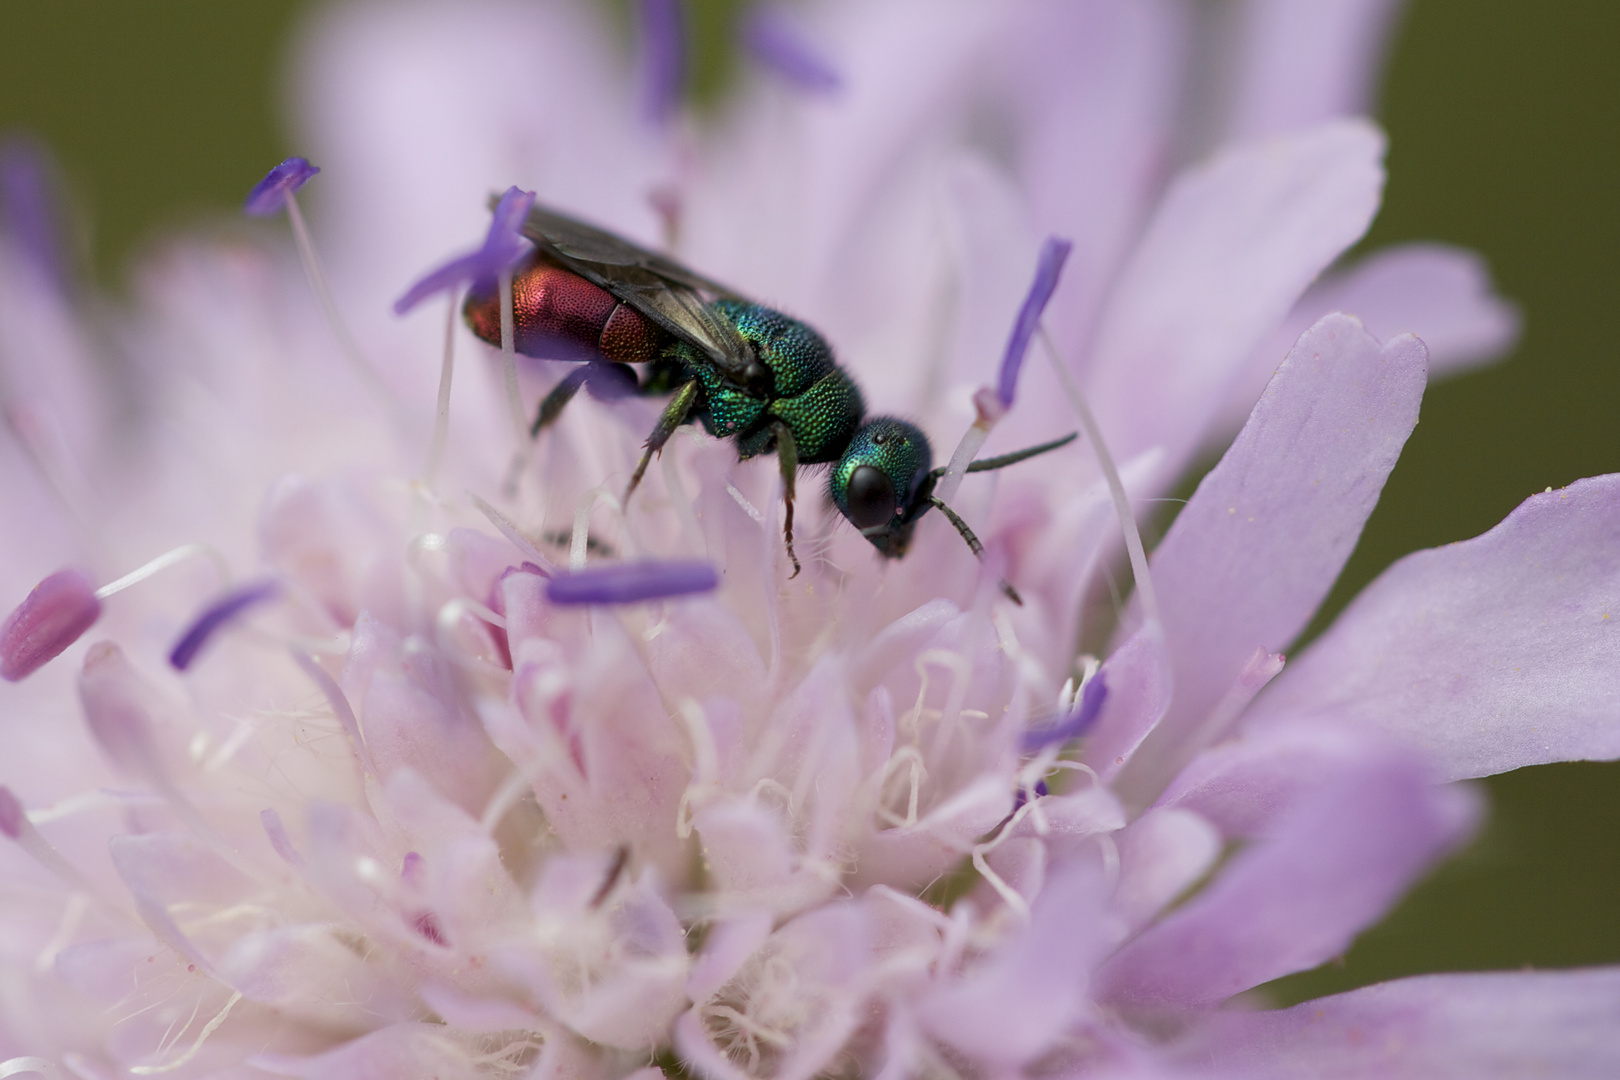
{"x": 674, "y": 415}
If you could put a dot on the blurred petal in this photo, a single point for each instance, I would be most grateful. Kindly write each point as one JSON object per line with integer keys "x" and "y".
{"x": 1301, "y": 62}
{"x": 1442, "y": 294}
{"x": 1491, "y": 653}
{"x": 1014, "y": 1005}
{"x": 1232, "y": 247}
{"x": 1493, "y": 1026}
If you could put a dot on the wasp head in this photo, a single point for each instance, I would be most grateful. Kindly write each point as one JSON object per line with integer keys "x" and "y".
{"x": 881, "y": 483}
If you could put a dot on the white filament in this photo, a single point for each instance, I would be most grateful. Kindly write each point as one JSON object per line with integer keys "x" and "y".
{"x": 1116, "y": 488}
{"x": 163, "y": 562}
{"x": 441, "y": 415}
{"x": 323, "y": 295}
{"x": 202, "y": 1036}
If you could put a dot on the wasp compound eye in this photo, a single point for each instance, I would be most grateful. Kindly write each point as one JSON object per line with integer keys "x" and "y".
{"x": 871, "y": 497}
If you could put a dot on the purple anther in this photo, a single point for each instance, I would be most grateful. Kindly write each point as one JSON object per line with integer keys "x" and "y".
{"x": 55, "y": 615}
{"x": 1047, "y": 270}
{"x": 630, "y": 582}
{"x": 28, "y": 213}
{"x": 663, "y": 59}
{"x": 1041, "y": 791}
{"x": 12, "y": 814}
{"x": 1079, "y": 720}
{"x": 776, "y": 42}
{"x": 216, "y": 615}
{"x": 503, "y": 246}
{"x": 270, "y": 194}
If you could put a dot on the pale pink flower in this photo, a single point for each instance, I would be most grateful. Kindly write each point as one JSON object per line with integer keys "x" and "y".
{"x": 409, "y": 812}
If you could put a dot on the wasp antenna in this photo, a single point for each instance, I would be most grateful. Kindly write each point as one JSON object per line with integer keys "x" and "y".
{"x": 989, "y": 464}
{"x": 972, "y": 541}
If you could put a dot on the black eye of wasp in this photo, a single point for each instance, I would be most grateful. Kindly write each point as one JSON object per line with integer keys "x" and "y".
{"x": 870, "y": 496}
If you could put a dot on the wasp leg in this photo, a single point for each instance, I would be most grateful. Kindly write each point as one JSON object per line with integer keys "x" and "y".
{"x": 973, "y": 544}
{"x": 673, "y": 417}
{"x": 787, "y": 456}
{"x": 551, "y": 406}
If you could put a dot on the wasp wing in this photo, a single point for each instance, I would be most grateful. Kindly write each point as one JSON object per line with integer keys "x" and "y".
{"x": 657, "y": 286}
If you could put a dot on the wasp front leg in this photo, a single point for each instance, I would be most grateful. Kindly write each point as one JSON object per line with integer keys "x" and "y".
{"x": 674, "y": 415}
{"x": 787, "y": 456}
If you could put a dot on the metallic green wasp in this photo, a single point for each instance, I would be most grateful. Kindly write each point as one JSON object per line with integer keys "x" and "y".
{"x": 744, "y": 371}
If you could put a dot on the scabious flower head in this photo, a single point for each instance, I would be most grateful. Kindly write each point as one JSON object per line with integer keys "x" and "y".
{"x": 479, "y": 770}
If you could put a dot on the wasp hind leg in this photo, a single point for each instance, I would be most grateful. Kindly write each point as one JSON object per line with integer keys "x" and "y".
{"x": 674, "y": 415}
{"x": 787, "y": 456}
{"x": 551, "y": 406}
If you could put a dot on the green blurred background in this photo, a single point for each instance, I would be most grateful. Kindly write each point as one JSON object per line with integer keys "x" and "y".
{"x": 1503, "y": 119}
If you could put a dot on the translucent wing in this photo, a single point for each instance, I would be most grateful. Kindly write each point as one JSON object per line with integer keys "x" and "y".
{"x": 657, "y": 286}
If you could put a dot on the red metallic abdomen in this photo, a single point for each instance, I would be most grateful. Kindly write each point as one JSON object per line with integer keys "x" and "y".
{"x": 561, "y": 316}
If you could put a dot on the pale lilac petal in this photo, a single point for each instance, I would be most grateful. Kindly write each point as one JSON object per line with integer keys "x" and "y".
{"x": 216, "y": 616}
{"x": 1255, "y": 550}
{"x": 305, "y": 973}
{"x": 1491, "y": 653}
{"x": 270, "y": 194}
{"x": 1161, "y": 855}
{"x": 729, "y": 943}
{"x": 1301, "y": 62}
{"x": 1332, "y": 865}
{"x": 1016, "y": 1004}
{"x": 1230, "y": 250}
{"x": 117, "y": 709}
{"x": 823, "y": 955}
{"x": 54, "y": 615}
{"x": 175, "y": 868}
{"x": 411, "y": 717}
{"x": 1496, "y": 1026}
{"x": 607, "y": 763}
{"x": 1138, "y": 678}
{"x": 412, "y": 1049}
{"x": 1243, "y": 785}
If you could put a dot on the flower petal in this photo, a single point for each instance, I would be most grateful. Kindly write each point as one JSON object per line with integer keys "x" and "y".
{"x": 1014, "y": 1005}
{"x": 1492, "y": 653}
{"x": 1480, "y": 1026}
{"x": 1302, "y": 63}
{"x": 1230, "y": 250}
{"x": 1333, "y": 864}
{"x": 1440, "y": 293}
{"x": 1259, "y": 544}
